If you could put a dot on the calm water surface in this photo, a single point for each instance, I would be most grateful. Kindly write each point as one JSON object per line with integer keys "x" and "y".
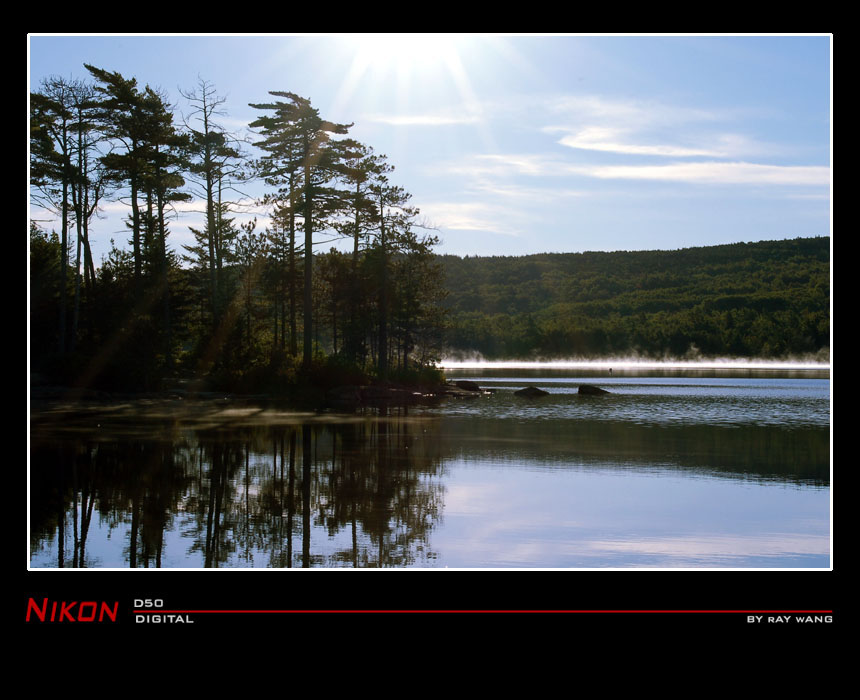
{"x": 673, "y": 469}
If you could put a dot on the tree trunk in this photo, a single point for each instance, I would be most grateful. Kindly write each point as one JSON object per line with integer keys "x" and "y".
{"x": 165, "y": 284}
{"x": 63, "y": 267}
{"x": 383, "y": 303}
{"x": 210, "y": 224}
{"x": 294, "y": 349}
{"x": 309, "y": 242}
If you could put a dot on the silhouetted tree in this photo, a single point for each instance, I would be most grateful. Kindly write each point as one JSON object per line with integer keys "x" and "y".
{"x": 52, "y": 146}
{"x": 296, "y": 135}
{"x": 359, "y": 218}
{"x": 394, "y": 219}
{"x": 213, "y": 159}
{"x": 125, "y": 122}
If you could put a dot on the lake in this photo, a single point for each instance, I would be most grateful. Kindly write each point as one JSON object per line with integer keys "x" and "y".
{"x": 678, "y": 467}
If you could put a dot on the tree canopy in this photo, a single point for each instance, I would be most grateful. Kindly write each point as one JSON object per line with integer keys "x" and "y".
{"x": 225, "y": 310}
{"x": 767, "y": 299}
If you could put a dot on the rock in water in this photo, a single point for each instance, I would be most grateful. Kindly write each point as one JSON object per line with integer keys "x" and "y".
{"x": 467, "y": 385}
{"x": 531, "y": 392}
{"x": 591, "y": 390}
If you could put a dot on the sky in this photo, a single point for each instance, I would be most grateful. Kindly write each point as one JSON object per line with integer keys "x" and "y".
{"x": 521, "y": 144}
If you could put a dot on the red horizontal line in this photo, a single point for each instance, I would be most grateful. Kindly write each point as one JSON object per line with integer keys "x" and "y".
{"x": 158, "y": 611}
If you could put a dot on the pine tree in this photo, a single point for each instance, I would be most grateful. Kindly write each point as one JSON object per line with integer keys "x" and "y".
{"x": 297, "y": 139}
{"x": 282, "y": 275}
{"x": 89, "y": 186}
{"x": 360, "y": 216}
{"x": 51, "y": 169}
{"x": 394, "y": 219}
{"x": 163, "y": 181}
{"x": 213, "y": 160}
{"x": 251, "y": 250}
{"x": 124, "y": 124}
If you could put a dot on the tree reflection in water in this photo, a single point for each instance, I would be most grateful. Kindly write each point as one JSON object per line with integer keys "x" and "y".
{"x": 232, "y": 485}
{"x": 365, "y": 493}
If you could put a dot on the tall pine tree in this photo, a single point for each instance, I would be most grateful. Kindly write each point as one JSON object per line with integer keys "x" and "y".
{"x": 297, "y": 139}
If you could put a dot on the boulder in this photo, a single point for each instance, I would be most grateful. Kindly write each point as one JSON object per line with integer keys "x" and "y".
{"x": 467, "y": 385}
{"x": 453, "y": 391}
{"x": 591, "y": 390}
{"x": 531, "y": 392}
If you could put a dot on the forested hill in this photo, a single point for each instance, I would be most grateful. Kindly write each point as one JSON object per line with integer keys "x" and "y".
{"x": 766, "y": 299}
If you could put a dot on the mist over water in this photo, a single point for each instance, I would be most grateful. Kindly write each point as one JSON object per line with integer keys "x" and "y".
{"x": 476, "y": 361}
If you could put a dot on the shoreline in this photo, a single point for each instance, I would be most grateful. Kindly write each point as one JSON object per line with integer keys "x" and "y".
{"x": 65, "y": 409}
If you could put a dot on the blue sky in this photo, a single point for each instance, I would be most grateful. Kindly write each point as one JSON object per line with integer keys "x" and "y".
{"x": 513, "y": 145}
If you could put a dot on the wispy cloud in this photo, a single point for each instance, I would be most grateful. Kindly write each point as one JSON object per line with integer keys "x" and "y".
{"x": 650, "y": 128}
{"x": 599, "y": 138}
{"x": 632, "y": 112}
{"x": 501, "y": 165}
{"x": 246, "y": 205}
{"x": 715, "y": 172}
{"x": 531, "y": 194}
{"x": 471, "y": 216}
{"x": 427, "y": 119}
{"x": 703, "y": 172}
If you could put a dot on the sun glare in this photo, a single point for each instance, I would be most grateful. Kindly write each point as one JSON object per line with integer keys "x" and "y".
{"x": 400, "y": 74}
{"x": 404, "y": 52}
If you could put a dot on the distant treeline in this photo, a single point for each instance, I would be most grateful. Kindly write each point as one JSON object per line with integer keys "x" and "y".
{"x": 767, "y": 299}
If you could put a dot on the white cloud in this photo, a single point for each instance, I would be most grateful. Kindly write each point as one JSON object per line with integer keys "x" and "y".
{"x": 235, "y": 125}
{"x": 532, "y": 194}
{"x": 470, "y": 216}
{"x": 194, "y": 205}
{"x": 737, "y": 173}
{"x": 438, "y": 119}
{"x": 639, "y": 114}
{"x": 649, "y": 128}
{"x": 598, "y": 138}
{"x": 504, "y": 164}
{"x": 703, "y": 172}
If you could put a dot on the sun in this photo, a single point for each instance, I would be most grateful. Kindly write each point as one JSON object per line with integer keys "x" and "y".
{"x": 404, "y": 53}
{"x": 401, "y": 70}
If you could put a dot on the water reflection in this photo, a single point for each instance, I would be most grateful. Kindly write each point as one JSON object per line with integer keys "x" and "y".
{"x": 748, "y": 452}
{"x": 665, "y": 471}
{"x": 358, "y": 494}
{"x": 368, "y": 491}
